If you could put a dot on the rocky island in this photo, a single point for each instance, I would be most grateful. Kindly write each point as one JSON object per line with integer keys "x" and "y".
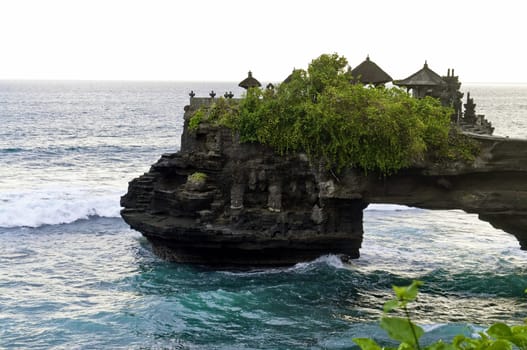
{"x": 220, "y": 201}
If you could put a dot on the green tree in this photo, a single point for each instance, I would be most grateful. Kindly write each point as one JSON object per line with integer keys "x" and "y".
{"x": 320, "y": 112}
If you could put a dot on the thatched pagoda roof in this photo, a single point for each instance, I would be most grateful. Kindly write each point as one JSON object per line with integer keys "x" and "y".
{"x": 368, "y": 72}
{"x": 423, "y": 77}
{"x": 288, "y": 79}
{"x": 249, "y": 82}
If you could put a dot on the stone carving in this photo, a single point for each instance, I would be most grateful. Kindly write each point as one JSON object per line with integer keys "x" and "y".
{"x": 274, "y": 199}
{"x": 472, "y": 122}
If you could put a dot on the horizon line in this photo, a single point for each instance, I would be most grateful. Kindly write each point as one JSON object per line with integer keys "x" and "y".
{"x": 197, "y": 81}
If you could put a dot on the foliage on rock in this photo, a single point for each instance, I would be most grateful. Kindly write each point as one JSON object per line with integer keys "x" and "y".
{"x": 197, "y": 177}
{"x": 223, "y": 112}
{"x": 342, "y": 124}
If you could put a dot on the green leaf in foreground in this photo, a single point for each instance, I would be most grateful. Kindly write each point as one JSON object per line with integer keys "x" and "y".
{"x": 403, "y": 296}
{"x": 391, "y": 305}
{"x": 408, "y": 293}
{"x": 499, "y": 336}
{"x": 499, "y": 330}
{"x": 499, "y": 344}
{"x": 440, "y": 345}
{"x": 402, "y": 329}
{"x": 367, "y": 344}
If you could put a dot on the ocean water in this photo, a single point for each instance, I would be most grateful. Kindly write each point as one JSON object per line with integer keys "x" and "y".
{"x": 73, "y": 275}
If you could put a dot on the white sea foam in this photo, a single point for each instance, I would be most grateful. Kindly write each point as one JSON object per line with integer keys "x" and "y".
{"x": 388, "y": 207}
{"x": 54, "y": 206}
{"x": 330, "y": 260}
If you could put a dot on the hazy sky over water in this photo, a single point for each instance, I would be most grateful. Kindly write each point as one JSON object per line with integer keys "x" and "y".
{"x": 484, "y": 41}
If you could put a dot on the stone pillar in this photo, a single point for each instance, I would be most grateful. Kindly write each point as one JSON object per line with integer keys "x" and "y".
{"x": 344, "y": 216}
{"x": 274, "y": 200}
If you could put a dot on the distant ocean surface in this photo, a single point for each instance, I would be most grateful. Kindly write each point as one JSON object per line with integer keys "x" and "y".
{"x": 73, "y": 275}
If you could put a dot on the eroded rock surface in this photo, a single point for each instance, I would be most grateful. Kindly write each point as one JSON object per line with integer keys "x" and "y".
{"x": 254, "y": 207}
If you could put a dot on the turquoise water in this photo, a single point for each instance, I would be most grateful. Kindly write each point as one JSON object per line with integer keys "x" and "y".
{"x": 75, "y": 276}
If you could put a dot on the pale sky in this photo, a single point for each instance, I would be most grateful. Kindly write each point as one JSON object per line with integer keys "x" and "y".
{"x": 220, "y": 40}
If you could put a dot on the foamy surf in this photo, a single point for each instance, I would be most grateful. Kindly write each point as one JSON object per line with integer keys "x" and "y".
{"x": 331, "y": 260}
{"x": 389, "y": 207}
{"x": 55, "y": 206}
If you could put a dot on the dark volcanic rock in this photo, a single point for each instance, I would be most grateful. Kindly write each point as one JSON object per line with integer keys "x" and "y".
{"x": 253, "y": 207}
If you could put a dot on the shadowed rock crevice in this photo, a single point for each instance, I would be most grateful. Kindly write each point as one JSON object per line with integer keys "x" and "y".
{"x": 249, "y": 206}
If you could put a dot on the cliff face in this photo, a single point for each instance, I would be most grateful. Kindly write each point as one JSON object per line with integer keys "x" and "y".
{"x": 253, "y": 207}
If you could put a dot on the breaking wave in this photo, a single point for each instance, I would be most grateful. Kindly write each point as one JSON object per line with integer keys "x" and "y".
{"x": 330, "y": 260}
{"x": 55, "y": 206}
{"x": 389, "y": 207}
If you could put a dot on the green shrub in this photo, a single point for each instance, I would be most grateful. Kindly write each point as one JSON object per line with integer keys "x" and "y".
{"x": 499, "y": 336}
{"x": 222, "y": 112}
{"x": 196, "y": 119}
{"x": 342, "y": 124}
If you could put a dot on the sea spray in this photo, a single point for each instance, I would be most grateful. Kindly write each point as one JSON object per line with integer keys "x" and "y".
{"x": 56, "y": 205}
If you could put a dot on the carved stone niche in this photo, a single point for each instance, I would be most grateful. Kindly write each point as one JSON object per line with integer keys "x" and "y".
{"x": 237, "y": 192}
{"x": 274, "y": 199}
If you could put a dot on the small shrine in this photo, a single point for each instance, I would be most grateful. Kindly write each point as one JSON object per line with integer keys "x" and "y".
{"x": 424, "y": 82}
{"x": 249, "y": 82}
{"x": 368, "y": 72}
